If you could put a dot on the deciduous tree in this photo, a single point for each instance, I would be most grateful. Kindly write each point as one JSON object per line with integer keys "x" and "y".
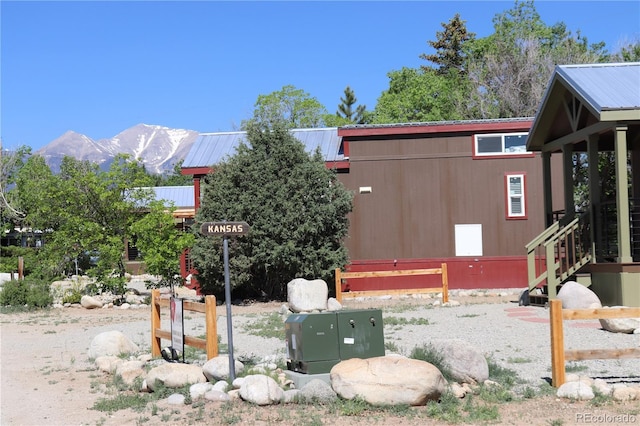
{"x": 416, "y": 95}
{"x": 84, "y": 210}
{"x": 295, "y": 107}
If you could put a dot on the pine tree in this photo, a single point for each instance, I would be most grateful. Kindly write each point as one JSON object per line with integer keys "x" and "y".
{"x": 449, "y": 46}
{"x": 346, "y": 111}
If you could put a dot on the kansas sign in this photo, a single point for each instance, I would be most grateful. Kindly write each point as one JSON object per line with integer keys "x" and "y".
{"x": 224, "y": 228}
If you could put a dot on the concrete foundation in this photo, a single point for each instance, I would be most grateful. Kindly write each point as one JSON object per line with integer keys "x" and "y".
{"x": 301, "y": 379}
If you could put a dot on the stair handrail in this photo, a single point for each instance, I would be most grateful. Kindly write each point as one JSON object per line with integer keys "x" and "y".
{"x": 551, "y": 241}
{"x": 535, "y": 245}
{"x": 577, "y": 253}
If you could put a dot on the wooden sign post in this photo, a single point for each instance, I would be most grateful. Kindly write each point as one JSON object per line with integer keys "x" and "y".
{"x": 226, "y": 229}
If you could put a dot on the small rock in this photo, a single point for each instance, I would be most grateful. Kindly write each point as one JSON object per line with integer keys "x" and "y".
{"x": 291, "y": 396}
{"x": 576, "y": 390}
{"x": 457, "y": 390}
{"x": 624, "y": 393}
{"x": 216, "y": 395}
{"x": 197, "y": 390}
{"x": 333, "y": 304}
{"x": 89, "y": 302}
{"x": 176, "y": 399}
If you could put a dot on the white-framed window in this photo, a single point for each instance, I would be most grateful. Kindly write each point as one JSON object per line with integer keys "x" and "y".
{"x": 515, "y": 195}
{"x": 499, "y": 144}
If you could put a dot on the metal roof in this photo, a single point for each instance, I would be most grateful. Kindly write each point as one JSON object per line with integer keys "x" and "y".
{"x": 604, "y": 87}
{"x": 438, "y": 123}
{"x": 212, "y": 148}
{"x": 180, "y": 196}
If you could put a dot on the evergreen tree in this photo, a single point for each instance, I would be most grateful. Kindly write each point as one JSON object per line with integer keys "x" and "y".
{"x": 296, "y": 209}
{"x": 346, "y": 111}
{"x": 450, "y": 46}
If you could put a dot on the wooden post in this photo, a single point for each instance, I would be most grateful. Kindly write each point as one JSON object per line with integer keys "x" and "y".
{"x": 20, "y": 268}
{"x": 211, "y": 326}
{"x": 445, "y": 284}
{"x": 155, "y": 323}
{"x": 557, "y": 344}
{"x": 338, "y": 285}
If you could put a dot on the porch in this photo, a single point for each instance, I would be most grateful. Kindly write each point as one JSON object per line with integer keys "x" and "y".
{"x": 590, "y": 116}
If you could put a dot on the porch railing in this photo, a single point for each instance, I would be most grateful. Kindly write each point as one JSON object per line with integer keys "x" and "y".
{"x": 607, "y": 239}
{"x": 558, "y": 253}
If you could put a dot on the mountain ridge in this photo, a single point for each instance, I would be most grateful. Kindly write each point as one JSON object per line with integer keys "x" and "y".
{"x": 158, "y": 147}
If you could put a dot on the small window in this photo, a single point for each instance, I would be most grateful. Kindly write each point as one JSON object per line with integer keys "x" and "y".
{"x": 515, "y": 195}
{"x": 500, "y": 144}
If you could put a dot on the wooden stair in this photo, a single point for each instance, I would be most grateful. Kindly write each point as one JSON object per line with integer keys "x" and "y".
{"x": 555, "y": 256}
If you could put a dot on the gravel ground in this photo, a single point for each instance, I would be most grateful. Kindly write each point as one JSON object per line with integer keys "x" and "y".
{"x": 515, "y": 337}
{"x": 45, "y": 365}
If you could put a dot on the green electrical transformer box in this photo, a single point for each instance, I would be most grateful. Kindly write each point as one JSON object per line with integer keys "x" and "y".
{"x": 318, "y": 341}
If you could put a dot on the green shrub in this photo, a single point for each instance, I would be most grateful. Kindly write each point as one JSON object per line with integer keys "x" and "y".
{"x": 14, "y": 293}
{"x": 29, "y": 292}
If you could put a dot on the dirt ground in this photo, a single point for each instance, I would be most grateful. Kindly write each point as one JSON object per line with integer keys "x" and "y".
{"x": 47, "y": 379}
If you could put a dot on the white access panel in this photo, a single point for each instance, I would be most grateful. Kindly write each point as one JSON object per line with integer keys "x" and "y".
{"x": 468, "y": 240}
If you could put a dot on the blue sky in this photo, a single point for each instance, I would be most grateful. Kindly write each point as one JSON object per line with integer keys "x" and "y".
{"x": 98, "y": 68}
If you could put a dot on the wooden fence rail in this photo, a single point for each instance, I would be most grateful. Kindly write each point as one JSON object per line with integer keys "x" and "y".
{"x": 558, "y": 354}
{"x": 396, "y": 273}
{"x": 210, "y": 343}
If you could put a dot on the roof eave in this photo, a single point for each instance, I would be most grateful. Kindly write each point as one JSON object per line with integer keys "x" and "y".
{"x": 620, "y": 115}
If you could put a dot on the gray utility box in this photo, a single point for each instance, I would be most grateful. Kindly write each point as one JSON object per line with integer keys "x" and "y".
{"x": 318, "y": 341}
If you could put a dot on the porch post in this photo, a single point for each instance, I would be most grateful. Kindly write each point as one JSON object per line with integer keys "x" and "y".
{"x": 594, "y": 192}
{"x": 547, "y": 194}
{"x": 567, "y": 171}
{"x": 622, "y": 195}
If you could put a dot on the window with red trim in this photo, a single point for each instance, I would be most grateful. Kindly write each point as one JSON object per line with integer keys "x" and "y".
{"x": 500, "y": 144}
{"x": 515, "y": 195}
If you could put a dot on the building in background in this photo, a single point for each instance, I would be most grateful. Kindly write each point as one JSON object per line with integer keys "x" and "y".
{"x": 467, "y": 193}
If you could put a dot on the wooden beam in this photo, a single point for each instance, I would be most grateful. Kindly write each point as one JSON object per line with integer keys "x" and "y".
{"x": 576, "y": 314}
{"x": 583, "y": 354}
{"x": 444, "y": 289}
{"x": 396, "y": 273}
{"x": 579, "y": 136}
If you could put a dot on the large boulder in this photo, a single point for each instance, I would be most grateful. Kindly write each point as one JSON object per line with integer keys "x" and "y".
{"x": 576, "y": 296}
{"x": 261, "y": 390}
{"x": 174, "y": 375}
{"x": 218, "y": 368}
{"x": 388, "y": 380}
{"x": 466, "y": 363}
{"x": 620, "y": 325}
{"x": 111, "y": 343}
{"x": 319, "y": 391}
{"x": 304, "y": 295}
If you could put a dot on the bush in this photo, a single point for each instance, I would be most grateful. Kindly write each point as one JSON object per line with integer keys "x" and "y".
{"x": 29, "y": 292}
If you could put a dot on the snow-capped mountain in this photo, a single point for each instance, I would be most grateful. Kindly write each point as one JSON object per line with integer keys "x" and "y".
{"x": 159, "y": 148}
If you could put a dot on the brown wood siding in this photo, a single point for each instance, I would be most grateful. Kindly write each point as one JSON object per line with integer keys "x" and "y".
{"x": 423, "y": 187}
